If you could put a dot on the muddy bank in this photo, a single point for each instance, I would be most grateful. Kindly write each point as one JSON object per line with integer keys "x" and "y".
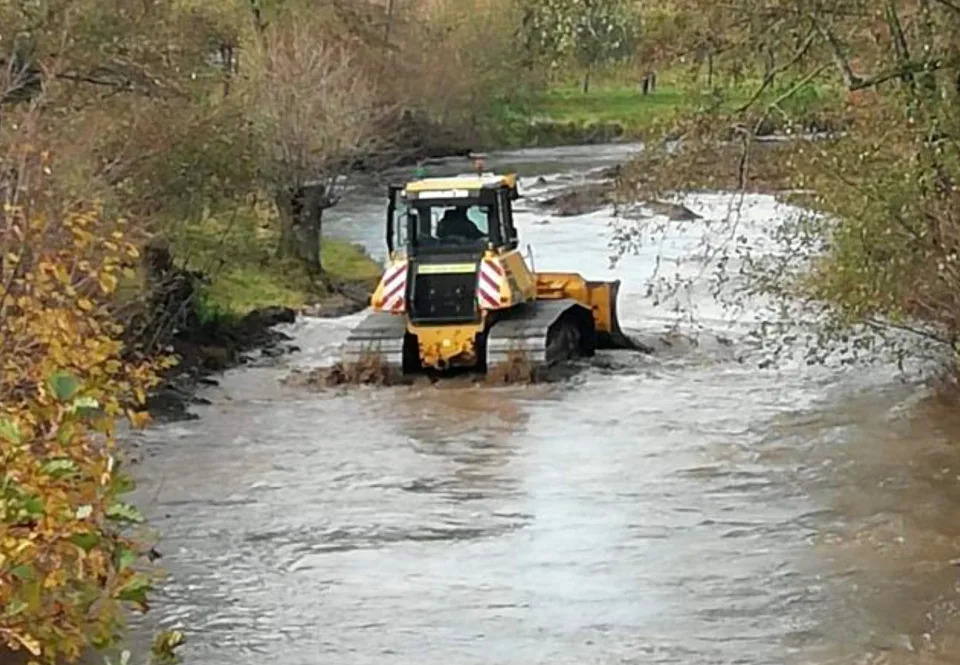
{"x": 541, "y": 133}
{"x": 637, "y": 189}
{"x": 210, "y": 348}
{"x": 206, "y": 346}
{"x": 769, "y": 167}
{"x": 546, "y": 133}
{"x": 430, "y": 143}
{"x": 595, "y": 195}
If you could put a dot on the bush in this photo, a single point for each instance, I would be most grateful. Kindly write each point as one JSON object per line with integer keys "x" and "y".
{"x": 68, "y": 567}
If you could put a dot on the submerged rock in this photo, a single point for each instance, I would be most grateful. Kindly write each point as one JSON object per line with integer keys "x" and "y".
{"x": 334, "y": 307}
{"x": 580, "y": 200}
{"x": 675, "y": 212}
{"x": 171, "y": 403}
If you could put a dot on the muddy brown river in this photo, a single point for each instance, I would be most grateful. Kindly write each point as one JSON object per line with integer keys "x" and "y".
{"x": 686, "y": 507}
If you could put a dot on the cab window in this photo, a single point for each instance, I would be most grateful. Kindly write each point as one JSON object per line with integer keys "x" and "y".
{"x": 440, "y": 224}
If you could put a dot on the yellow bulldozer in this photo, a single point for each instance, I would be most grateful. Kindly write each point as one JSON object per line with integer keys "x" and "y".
{"x": 457, "y": 292}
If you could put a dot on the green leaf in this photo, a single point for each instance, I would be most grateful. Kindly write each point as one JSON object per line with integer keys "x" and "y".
{"x": 122, "y": 483}
{"x": 66, "y": 433}
{"x": 34, "y": 505}
{"x": 14, "y": 608}
{"x": 135, "y": 590}
{"x": 165, "y": 646}
{"x": 85, "y": 407}
{"x": 23, "y": 572}
{"x": 59, "y": 468}
{"x": 85, "y": 541}
{"x": 125, "y": 558}
{"x": 124, "y": 512}
{"x": 64, "y": 386}
{"x": 10, "y": 432}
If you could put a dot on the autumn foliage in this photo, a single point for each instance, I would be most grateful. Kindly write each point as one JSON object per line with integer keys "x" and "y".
{"x": 68, "y": 565}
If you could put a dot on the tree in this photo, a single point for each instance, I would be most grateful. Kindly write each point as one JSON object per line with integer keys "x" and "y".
{"x": 605, "y": 34}
{"x": 317, "y": 113}
{"x": 590, "y": 33}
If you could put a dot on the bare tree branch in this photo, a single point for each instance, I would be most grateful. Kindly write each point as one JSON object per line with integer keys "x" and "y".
{"x": 840, "y": 60}
{"x": 799, "y": 85}
{"x": 914, "y": 67}
{"x": 772, "y": 74}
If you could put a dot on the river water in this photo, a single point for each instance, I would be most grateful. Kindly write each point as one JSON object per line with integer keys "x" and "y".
{"x": 686, "y": 507}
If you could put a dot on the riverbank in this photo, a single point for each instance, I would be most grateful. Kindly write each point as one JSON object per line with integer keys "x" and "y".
{"x": 234, "y": 291}
{"x": 237, "y": 254}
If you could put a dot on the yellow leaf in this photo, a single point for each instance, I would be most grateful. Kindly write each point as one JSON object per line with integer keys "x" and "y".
{"x": 108, "y": 283}
{"x": 29, "y": 643}
{"x": 85, "y": 304}
{"x": 138, "y": 419}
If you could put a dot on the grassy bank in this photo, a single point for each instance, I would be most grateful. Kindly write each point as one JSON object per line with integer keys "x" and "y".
{"x": 239, "y": 258}
{"x": 611, "y": 103}
{"x": 615, "y": 108}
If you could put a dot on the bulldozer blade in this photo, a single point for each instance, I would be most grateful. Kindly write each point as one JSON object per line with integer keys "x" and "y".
{"x": 615, "y": 338}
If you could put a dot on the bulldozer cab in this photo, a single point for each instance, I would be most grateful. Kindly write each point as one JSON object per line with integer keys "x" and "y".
{"x": 451, "y": 216}
{"x": 444, "y": 229}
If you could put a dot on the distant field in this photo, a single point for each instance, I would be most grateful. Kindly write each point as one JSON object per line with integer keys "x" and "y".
{"x": 552, "y": 113}
{"x": 621, "y": 104}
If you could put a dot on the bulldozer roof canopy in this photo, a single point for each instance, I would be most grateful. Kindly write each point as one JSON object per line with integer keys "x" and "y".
{"x": 464, "y": 182}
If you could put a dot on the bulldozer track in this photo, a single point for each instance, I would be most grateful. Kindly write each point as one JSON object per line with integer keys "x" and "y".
{"x": 526, "y": 330}
{"x": 380, "y": 333}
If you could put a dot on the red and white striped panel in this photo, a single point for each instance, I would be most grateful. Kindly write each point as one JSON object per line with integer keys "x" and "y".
{"x": 395, "y": 288}
{"x": 492, "y": 277}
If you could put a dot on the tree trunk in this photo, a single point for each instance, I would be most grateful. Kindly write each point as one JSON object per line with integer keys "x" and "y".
{"x": 310, "y": 222}
{"x": 227, "y": 63}
{"x": 388, "y": 26}
{"x": 586, "y": 82}
{"x": 287, "y": 247}
{"x": 301, "y": 218}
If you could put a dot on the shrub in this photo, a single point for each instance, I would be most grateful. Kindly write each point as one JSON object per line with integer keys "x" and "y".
{"x": 68, "y": 565}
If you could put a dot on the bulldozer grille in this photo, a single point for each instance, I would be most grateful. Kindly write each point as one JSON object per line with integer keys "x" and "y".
{"x": 444, "y": 298}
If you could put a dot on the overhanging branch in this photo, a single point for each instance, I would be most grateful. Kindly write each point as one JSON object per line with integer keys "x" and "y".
{"x": 913, "y": 67}
{"x": 840, "y": 60}
{"x": 771, "y": 75}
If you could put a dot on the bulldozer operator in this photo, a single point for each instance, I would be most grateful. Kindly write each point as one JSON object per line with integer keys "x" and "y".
{"x": 456, "y": 224}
